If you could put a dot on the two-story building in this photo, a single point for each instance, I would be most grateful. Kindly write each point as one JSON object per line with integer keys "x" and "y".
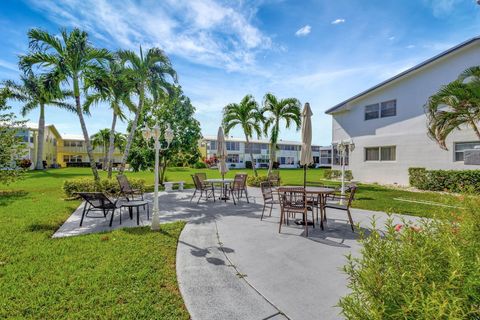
{"x": 60, "y": 150}
{"x": 287, "y": 153}
{"x": 387, "y": 123}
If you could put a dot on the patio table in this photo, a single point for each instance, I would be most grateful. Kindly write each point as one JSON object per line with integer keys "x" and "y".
{"x": 224, "y": 183}
{"x": 320, "y": 192}
{"x": 135, "y": 204}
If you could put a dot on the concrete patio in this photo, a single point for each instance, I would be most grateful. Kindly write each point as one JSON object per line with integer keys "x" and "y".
{"x": 231, "y": 265}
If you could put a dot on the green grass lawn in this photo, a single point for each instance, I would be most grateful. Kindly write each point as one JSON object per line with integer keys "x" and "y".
{"x": 126, "y": 273}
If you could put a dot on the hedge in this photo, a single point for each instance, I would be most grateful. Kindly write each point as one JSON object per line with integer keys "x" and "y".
{"x": 109, "y": 186}
{"x": 445, "y": 180}
{"x": 337, "y": 174}
{"x": 253, "y": 181}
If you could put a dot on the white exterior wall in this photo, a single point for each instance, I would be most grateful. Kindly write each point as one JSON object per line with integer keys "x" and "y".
{"x": 407, "y": 130}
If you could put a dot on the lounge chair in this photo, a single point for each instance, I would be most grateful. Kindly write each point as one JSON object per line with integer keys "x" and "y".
{"x": 126, "y": 189}
{"x": 98, "y": 201}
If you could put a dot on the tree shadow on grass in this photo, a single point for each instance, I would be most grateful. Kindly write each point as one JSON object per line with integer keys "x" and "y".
{"x": 7, "y": 197}
{"x": 43, "y": 227}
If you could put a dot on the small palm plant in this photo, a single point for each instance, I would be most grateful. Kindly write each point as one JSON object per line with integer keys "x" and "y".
{"x": 288, "y": 110}
{"x": 246, "y": 115}
{"x": 66, "y": 59}
{"x": 33, "y": 92}
{"x": 102, "y": 139}
{"x": 454, "y": 106}
{"x": 112, "y": 86}
{"x": 148, "y": 72}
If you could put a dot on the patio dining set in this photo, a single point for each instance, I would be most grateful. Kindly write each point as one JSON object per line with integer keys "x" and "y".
{"x": 227, "y": 188}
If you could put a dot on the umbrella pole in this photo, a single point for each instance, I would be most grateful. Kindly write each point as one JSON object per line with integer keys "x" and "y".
{"x": 304, "y": 175}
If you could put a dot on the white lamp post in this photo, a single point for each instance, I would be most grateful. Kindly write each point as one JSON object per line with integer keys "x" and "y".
{"x": 343, "y": 148}
{"x": 155, "y": 133}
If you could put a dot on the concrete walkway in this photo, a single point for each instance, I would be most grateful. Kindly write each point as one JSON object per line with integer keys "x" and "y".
{"x": 231, "y": 265}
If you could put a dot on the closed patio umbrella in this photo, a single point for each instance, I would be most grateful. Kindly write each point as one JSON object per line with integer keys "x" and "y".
{"x": 221, "y": 155}
{"x": 306, "y": 156}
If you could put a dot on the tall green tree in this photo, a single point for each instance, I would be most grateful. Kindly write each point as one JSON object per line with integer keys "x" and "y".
{"x": 275, "y": 111}
{"x": 454, "y": 106}
{"x": 149, "y": 73}
{"x": 246, "y": 115}
{"x": 11, "y": 145}
{"x": 34, "y": 93}
{"x": 178, "y": 111}
{"x": 67, "y": 59}
{"x": 111, "y": 85}
{"x": 103, "y": 138}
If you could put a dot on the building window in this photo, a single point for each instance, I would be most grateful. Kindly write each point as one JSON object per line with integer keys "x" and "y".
{"x": 287, "y": 147}
{"x": 286, "y": 160}
{"x": 212, "y": 145}
{"x": 255, "y": 148}
{"x": 380, "y": 153}
{"x": 315, "y": 148}
{"x": 233, "y": 146}
{"x": 70, "y": 158}
{"x": 337, "y": 160}
{"x": 460, "y": 147}
{"x": 388, "y": 109}
{"x": 372, "y": 111}
{"x": 233, "y": 158}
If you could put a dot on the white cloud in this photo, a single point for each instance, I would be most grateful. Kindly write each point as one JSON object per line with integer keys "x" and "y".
{"x": 303, "y": 31}
{"x": 442, "y": 7}
{"x": 338, "y": 21}
{"x": 410, "y": 46}
{"x": 205, "y": 32}
{"x": 391, "y": 38}
{"x": 7, "y": 65}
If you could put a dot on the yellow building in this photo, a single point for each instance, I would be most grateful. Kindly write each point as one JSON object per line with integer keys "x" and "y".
{"x": 61, "y": 150}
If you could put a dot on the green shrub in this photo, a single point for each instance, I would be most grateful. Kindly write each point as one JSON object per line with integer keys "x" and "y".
{"x": 253, "y": 181}
{"x": 109, "y": 186}
{"x": 331, "y": 174}
{"x": 445, "y": 180}
{"x": 200, "y": 165}
{"x": 426, "y": 271}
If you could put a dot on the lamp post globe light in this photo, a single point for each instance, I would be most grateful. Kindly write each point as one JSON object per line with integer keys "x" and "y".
{"x": 344, "y": 148}
{"x": 156, "y": 134}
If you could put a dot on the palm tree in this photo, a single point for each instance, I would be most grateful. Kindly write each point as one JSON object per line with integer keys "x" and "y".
{"x": 33, "y": 92}
{"x": 455, "y": 105}
{"x": 66, "y": 59}
{"x": 149, "y": 75}
{"x": 248, "y": 116}
{"x": 102, "y": 139}
{"x": 287, "y": 110}
{"x": 113, "y": 87}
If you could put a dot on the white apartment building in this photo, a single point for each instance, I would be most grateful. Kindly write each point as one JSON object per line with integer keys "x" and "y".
{"x": 288, "y": 152}
{"x": 387, "y": 122}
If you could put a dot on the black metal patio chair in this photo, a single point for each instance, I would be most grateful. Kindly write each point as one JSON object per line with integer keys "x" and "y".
{"x": 344, "y": 207}
{"x": 99, "y": 202}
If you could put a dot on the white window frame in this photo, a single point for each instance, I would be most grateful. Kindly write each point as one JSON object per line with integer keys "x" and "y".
{"x": 379, "y": 153}
{"x": 455, "y": 149}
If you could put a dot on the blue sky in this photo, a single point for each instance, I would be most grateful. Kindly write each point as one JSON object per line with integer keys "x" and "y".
{"x": 320, "y": 52}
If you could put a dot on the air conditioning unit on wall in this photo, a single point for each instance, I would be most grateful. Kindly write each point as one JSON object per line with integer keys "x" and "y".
{"x": 472, "y": 156}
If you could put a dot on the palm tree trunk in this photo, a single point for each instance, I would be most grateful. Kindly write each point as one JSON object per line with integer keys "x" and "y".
{"x": 40, "y": 138}
{"x": 251, "y": 157}
{"x": 133, "y": 128}
{"x": 88, "y": 145}
{"x": 111, "y": 147}
{"x": 272, "y": 156}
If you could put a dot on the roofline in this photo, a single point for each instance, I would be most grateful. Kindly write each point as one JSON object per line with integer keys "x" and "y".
{"x": 401, "y": 74}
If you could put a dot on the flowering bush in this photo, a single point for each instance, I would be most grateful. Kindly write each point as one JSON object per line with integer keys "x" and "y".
{"x": 211, "y": 161}
{"x": 426, "y": 270}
